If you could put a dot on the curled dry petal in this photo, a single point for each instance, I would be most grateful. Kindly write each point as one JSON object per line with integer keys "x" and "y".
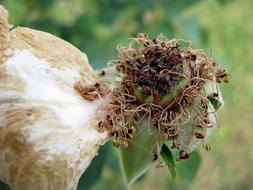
{"x": 48, "y": 133}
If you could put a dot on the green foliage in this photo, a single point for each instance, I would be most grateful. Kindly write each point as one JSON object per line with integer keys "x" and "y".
{"x": 136, "y": 159}
{"x": 187, "y": 169}
{"x": 216, "y": 103}
{"x": 169, "y": 160}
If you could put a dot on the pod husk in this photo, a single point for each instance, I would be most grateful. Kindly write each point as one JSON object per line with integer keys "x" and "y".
{"x": 48, "y": 133}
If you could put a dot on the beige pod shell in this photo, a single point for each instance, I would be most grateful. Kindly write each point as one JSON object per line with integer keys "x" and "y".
{"x": 48, "y": 133}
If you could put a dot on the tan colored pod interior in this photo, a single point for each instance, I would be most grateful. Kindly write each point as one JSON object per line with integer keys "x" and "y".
{"x": 48, "y": 133}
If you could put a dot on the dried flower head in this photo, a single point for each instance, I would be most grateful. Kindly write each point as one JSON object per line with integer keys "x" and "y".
{"x": 173, "y": 86}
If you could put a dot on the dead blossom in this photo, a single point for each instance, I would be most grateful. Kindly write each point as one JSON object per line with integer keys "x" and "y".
{"x": 164, "y": 82}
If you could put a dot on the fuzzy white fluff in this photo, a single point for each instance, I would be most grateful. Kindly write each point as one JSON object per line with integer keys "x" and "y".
{"x": 65, "y": 128}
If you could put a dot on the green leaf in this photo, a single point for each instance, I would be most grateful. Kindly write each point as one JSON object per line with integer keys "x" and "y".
{"x": 93, "y": 173}
{"x": 211, "y": 88}
{"x": 169, "y": 160}
{"x": 215, "y": 102}
{"x": 137, "y": 158}
{"x": 187, "y": 170}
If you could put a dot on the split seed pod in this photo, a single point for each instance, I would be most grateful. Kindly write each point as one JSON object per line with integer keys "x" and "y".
{"x": 48, "y": 133}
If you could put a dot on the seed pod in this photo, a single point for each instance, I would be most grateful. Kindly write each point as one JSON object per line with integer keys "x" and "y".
{"x": 48, "y": 133}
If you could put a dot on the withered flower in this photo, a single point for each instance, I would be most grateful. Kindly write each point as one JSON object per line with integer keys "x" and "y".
{"x": 169, "y": 83}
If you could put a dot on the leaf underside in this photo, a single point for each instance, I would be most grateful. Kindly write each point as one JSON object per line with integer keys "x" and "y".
{"x": 137, "y": 158}
{"x": 187, "y": 170}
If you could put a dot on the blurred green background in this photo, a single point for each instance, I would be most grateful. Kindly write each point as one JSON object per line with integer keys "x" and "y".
{"x": 223, "y": 28}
